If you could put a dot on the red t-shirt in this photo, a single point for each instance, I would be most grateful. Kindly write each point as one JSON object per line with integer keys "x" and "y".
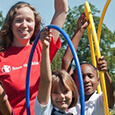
{"x": 13, "y": 68}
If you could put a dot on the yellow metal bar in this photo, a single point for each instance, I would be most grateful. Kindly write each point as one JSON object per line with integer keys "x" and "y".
{"x": 91, "y": 45}
{"x": 90, "y": 17}
{"x": 92, "y": 52}
{"x": 101, "y": 19}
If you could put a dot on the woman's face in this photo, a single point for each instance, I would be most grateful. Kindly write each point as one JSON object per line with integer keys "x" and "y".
{"x": 61, "y": 98}
{"x": 23, "y": 26}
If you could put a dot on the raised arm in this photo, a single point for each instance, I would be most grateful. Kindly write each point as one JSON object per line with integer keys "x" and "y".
{"x": 68, "y": 57}
{"x": 61, "y": 9}
{"x": 102, "y": 66}
{"x": 45, "y": 69}
{"x": 5, "y": 107}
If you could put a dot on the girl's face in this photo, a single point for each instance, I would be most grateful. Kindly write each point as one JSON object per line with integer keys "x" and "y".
{"x": 23, "y": 26}
{"x": 61, "y": 98}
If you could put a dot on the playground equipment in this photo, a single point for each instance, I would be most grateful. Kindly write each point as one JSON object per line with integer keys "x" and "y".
{"x": 101, "y": 19}
{"x": 80, "y": 80}
{"x": 96, "y": 37}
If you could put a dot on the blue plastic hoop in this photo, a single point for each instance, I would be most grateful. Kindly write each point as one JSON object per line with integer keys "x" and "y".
{"x": 80, "y": 80}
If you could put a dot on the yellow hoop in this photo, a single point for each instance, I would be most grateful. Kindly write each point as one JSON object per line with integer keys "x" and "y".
{"x": 92, "y": 53}
{"x": 101, "y": 20}
{"x": 92, "y": 29}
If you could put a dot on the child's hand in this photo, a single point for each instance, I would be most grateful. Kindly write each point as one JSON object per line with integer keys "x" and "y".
{"x": 82, "y": 22}
{"x": 102, "y": 64}
{"x": 1, "y": 89}
{"x": 2, "y": 92}
{"x": 45, "y": 36}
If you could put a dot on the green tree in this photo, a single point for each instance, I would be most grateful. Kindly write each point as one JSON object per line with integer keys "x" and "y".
{"x": 106, "y": 40}
{"x": 56, "y": 63}
{"x": 1, "y": 18}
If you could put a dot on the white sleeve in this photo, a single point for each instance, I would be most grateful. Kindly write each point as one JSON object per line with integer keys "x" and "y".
{"x": 42, "y": 109}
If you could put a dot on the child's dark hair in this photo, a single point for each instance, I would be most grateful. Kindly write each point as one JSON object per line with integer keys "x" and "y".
{"x": 85, "y": 62}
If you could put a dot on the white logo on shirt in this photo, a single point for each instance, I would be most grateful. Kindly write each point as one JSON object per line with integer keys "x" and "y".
{"x": 6, "y": 69}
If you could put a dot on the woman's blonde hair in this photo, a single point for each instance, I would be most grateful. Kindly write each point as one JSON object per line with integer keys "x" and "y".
{"x": 66, "y": 81}
{"x": 6, "y": 35}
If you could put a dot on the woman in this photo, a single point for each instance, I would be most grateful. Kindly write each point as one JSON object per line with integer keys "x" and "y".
{"x": 17, "y": 34}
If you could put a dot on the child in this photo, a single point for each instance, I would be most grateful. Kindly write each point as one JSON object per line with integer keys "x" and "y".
{"x": 17, "y": 35}
{"x": 57, "y": 91}
{"x": 93, "y": 101}
{"x": 5, "y": 107}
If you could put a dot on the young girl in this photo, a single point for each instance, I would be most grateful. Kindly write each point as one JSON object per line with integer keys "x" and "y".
{"x": 57, "y": 91}
{"x": 17, "y": 34}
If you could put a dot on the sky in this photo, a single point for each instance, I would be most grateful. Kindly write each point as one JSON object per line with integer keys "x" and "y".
{"x": 46, "y": 9}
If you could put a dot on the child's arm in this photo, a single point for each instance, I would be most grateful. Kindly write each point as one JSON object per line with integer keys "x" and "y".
{"x": 102, "y": 66}
{"x": 61, "y": 9}
{"x": 5, "y": 107}
{"x": 82, "y": 24}
{"x": 44, "y": 90}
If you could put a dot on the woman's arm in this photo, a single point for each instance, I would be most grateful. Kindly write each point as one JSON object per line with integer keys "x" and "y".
{"x": 61, "y": 9}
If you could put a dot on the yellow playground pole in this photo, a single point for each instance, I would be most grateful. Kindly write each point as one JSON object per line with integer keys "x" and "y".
{"x": 98, "y": 36}
{"x": 102, "y": 79}
{"x": 91, "y": 45}
{"x": 101, "y": 19}
{"x": 92, "y": 52}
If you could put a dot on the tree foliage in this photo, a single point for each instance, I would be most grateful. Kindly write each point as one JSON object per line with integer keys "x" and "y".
{"x": 1, "y": 19}
{"x": 107, "y": 38}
